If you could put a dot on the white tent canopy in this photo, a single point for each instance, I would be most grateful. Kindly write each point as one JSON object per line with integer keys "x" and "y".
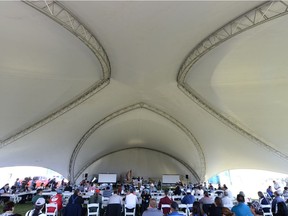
{"x": 190, "y": 88}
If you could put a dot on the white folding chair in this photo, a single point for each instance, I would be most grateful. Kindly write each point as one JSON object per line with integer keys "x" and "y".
{"x": 129, "y": 213}
{"x": 165, "y": 206}
{"x": 267, "y": 207}
{"x": 189, "y": 206}
{"x": 54, "y": 208}
{"x": 93, "y": 209}
{"x": 177, "y": 198}
{"x": 183, "y": 208}
{"x": 65, "y": 198}
{"x": 105, "y": 201}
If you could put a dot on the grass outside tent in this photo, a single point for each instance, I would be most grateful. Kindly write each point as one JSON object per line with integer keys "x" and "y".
{"x": 20, "y": 208}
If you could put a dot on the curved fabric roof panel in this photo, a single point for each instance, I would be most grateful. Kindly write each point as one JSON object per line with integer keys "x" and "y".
{"x": 189, "y": 88}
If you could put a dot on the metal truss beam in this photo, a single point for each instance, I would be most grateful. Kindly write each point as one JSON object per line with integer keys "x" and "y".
{"x": 259, "y": 15}
{"x": 65, "y": 18}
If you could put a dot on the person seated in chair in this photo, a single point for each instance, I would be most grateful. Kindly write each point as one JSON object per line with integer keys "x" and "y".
{"x": 174, "y": 209}
{"x": 37, "y": 211}
{"x": 206, "y": 202}
{"x": 188, "y": 198}
{"x": 96, "y": 197}
{"x": 241, "y": 209}
{"x": 37, "y": 196}
{"x": 74, "y": 206}
{"x": 8, "y": 209}
{"x": 131, "y": 201}
{"x": 152, "y": 209}
{"x": 57, "y": 199}
{"x": 114, "y": 205}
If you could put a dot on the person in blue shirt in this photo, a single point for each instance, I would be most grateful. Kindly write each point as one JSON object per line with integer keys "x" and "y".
{"x": 276, "y": 200}
{"x": 188, "y": 198}
{"x": 174, "y": 209}
{"x": 241, "y": 209}
{"x": 270, "y": 192}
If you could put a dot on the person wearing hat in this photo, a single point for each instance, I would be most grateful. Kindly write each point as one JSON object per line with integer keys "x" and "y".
{"x": 188, "y": 198}
{"x": 256, "y": 208}
{"x": 241, "y": 209}
{"x": 38, "y": 207}
{"x": 95, "y": 198}
{"x": 174, "y": 209}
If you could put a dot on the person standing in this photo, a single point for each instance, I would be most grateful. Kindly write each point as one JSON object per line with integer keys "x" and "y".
{"x": 276, "y": 185}
{"x": 165, "y": 200}
{"x": 145, "y": 200}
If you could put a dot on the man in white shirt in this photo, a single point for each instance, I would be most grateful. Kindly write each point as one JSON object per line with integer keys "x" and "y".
{"x": 131, "y": 200}
{"x": 277, "y": 187}
{"x": 227, "y": 201}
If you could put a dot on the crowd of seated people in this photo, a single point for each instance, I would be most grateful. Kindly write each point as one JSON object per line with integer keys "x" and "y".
{"x": 203, "y": 200}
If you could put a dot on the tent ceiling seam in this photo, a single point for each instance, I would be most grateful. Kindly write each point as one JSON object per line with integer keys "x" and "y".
{"x": 65, "y": 18}
{"x": 124, "y": 110}
{"x": 265, "y": 12}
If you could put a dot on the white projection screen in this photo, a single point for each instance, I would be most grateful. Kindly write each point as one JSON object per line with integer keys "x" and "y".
{"x": 107, "y": 178}
{"x": 170, "y": 179}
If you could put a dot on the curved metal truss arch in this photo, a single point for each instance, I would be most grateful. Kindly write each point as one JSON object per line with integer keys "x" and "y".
{"x": 65, "y": 18}
{"x": 257, "y": 16}
{"x": 128, "y": 109}
{"x": 192, "y": 171}
{"x": 264, "y": 13}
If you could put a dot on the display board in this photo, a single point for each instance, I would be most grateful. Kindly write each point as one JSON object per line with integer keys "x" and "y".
{"x": 170, "y": 179}
{"x": 107, "y": 178}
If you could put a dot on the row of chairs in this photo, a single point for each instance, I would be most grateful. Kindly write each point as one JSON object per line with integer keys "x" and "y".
{"x": 184, "y": 209}
{"x": 94, "y": 210}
